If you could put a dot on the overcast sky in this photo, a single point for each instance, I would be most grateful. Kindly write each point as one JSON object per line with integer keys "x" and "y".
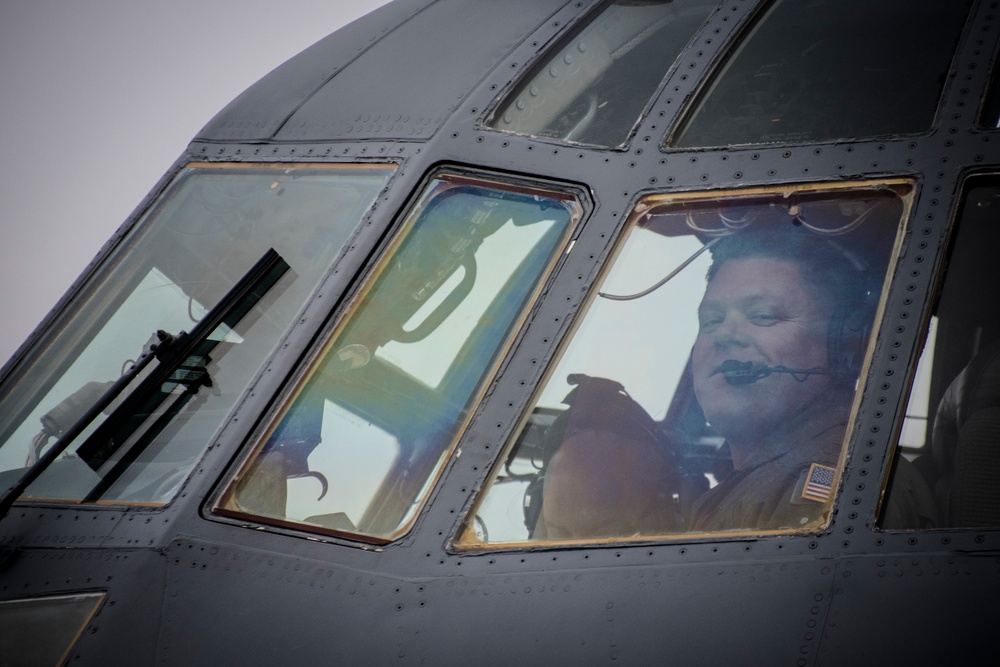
{"x": 97, "y": 100}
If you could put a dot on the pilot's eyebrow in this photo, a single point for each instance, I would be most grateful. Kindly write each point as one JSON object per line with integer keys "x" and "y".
{"x": 708, "y": 303}
{"x": 758, "y": 298}
{"x": 743, "y": 302}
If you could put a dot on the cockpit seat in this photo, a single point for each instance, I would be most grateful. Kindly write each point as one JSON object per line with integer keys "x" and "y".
{"x": 965, "y": 444}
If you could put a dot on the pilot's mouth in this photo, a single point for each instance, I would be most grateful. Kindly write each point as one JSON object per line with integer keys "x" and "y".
{"x": 730, "y": 366}
{"x": 737, "y": 373}
{"x": 745, "y": 372}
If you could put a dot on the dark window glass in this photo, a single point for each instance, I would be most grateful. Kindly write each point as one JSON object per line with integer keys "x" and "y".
{"x": 358, "y": 446}
{"x": 708, "y": 387}
{"x": 596, "y": 84}
{"x": 990, "y": 117}
{"x": 812, "y": 70}
{"x": 42, "y": 631}
{"x": 951, "y": 435}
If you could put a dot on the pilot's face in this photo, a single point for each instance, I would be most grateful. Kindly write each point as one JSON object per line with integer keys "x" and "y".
{"x": 760, "y": 310}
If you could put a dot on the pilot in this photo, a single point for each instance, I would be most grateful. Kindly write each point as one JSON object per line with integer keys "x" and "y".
{"x": 782, "y": 327}
{"x": 772, "y": 380}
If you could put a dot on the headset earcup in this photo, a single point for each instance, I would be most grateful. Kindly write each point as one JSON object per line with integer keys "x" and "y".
{"x": 850, "y": 329}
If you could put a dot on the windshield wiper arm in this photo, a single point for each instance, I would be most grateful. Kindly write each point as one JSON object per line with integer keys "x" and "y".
{"x": 172, "y": 353}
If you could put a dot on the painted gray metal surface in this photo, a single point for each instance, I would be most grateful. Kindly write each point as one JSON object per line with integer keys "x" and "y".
{"x": 188, "y": 588}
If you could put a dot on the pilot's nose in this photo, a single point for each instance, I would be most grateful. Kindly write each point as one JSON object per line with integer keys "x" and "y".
{"x": 732, "y": 332}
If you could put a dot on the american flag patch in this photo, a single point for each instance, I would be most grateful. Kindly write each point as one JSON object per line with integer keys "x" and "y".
{"x": 819, "y": 483}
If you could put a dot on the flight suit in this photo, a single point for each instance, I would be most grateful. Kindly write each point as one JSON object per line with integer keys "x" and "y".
{"x": 768, "y": 494}
{"x": 775, "y": 494}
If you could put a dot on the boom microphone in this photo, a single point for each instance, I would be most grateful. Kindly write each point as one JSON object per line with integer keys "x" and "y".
{"x": 744, "y": 372}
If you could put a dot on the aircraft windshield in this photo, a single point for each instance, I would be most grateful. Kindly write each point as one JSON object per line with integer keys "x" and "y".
{"x": 357, "y": 446}
{"x": 686, "y": 405}
{"x": 595, "y": 85}
{"x": 207, "y": 230}
{"x": 813, "y": 70}
{"x": 949, "y": 434}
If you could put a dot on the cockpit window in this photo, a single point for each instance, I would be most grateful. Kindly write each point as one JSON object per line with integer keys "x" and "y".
{"x": 813, "y": 70}
{"x": 989, "y": 116}
{"x": 177, "y": 267}
{"x": 356, "y": 447}
{"x": 596, "y": 83}
{"x": 949, "y": 437}
{"x": 709, "y": 385}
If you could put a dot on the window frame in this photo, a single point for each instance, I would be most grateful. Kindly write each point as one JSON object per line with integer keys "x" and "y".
{"x": 577, "y": 200}
{"x": 464, "y": 540}
{"x": 931, "y": 331}
{"x": 757, "y": 18}
{"x": 98, "y": 284}
{"x": 548, "y": 55}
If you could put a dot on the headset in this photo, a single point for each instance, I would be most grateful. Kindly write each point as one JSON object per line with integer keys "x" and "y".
{"x": 852, "y": 321}
{"x": 850, "y": 324}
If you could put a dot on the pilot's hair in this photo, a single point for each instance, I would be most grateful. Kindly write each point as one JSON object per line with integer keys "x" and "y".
{"x": 827, "y": 265}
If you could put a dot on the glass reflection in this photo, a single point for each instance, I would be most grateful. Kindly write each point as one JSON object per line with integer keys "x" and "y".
{"x": 953, "y": 412}
{"x": 812, "y": 70}
{"x": 594, "y": 86}
{"x": 709, "y": 385}
{"x": 204, "y": 232}
{"x": 43, "y": 630}
{"x": 365, "y": 435}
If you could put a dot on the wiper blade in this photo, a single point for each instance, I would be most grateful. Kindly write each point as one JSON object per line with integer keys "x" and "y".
{"x": 181, "y": 362}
